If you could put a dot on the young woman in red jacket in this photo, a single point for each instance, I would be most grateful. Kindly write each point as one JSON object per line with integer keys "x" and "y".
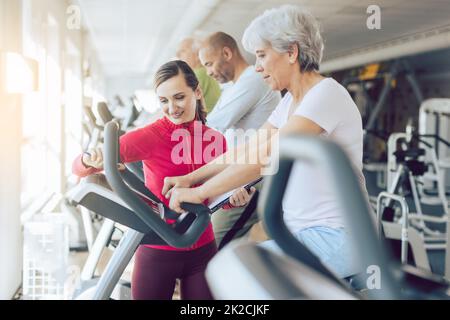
{"x": 175, "y": 145}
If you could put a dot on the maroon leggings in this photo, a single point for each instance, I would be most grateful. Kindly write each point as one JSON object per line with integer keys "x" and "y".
{"x": 155, "y": 273}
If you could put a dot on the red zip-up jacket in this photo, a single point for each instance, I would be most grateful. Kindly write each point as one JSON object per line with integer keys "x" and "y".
{"x": 160, "y": 148}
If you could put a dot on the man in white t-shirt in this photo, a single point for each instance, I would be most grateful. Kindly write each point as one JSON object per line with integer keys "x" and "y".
{"x": 245, "y": 104}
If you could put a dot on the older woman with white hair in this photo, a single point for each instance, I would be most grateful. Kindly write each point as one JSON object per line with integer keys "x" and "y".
{"x": 288, "y": 48}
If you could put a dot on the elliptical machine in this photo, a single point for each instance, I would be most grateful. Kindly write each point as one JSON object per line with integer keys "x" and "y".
{"x": 411, "y": 161}
{"x": 115, "y": 199}
{"x": 256, "y": 273}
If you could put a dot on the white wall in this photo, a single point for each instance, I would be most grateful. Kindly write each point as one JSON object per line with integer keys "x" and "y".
{"x": 35, "y": 18}
{"x": 10, "y": 121}
{"x": 124, "y": 86}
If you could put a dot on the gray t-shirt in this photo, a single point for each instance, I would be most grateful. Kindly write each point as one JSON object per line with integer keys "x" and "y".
{"x": 245, "y": 104}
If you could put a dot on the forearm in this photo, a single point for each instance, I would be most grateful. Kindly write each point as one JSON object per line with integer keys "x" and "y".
{"x": 206, "y": 172}
{"x": 232, "y": 177}
{"x": 216, "y": 166}
{"x": 248, "y": 167}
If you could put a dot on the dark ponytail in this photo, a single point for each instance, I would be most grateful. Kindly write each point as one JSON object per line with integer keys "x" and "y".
{"x": 200, "y": 111}
{"x": 172, "y": 69}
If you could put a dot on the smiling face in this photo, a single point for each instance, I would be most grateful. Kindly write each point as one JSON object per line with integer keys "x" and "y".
{"x": 275, "y": 67}
{"x": 217, "y": 63}
{"x": 178, "y": 101}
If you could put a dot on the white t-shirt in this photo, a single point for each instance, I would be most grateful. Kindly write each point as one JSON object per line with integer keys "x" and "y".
{"x": 245, "y": 104}
{"x": 309, "y": 199}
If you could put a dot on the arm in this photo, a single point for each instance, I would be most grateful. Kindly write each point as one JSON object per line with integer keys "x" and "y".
{"x": 242, "y": 172}
{"x": 234, "y": 175}
{"x": 133, "y": 147}
{"x": 136, "y": 145}
{"x": 216, "y": 166}
{"x": 239, "y": 174}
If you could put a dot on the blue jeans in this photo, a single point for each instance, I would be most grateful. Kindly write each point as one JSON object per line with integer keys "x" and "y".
{"x": 331, "y": 246}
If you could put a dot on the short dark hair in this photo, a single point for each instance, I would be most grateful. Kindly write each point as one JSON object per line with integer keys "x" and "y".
{"x": 172, "y": 69}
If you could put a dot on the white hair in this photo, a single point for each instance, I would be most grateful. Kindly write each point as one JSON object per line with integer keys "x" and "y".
{"x": 283, "y": 27}
{"x": 194, "y": 41}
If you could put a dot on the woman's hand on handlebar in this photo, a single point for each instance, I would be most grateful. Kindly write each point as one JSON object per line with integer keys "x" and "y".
{"x": 179, "y": 195}
{"x": 174, "y": 182}
{"x": 93, "y": 158}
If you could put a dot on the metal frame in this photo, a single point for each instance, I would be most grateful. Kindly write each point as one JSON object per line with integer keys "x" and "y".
{"x": 404, "y": 221}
